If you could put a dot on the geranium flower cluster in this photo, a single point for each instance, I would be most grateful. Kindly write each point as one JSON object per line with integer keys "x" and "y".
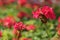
{"x": 44, "y": 13}
{"x": 18, "y": 27}
{"x": 22, "y": 14}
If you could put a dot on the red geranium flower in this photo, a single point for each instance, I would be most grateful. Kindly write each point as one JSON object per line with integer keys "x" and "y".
{"x": 1, "y": 3}
{"x": 22, "y": 15}
{"x": 30, "y": 27}
{"x": 8, "y": 21}
{"x": 46, "y": 11}
{"x": 36, "y": 13}
{"x": 19, "y": 26}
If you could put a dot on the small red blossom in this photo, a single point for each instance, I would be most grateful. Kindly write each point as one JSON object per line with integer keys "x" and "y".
{"x": 19, "y": 26}
{"x": 1, "y": 3}
{"x": 36, "y": 13}
{"x": 8, "y": 21}
{"x": 46, "y": 11}
{"x": 22, "y": 15}
{"x": 58, "y": 19}
{"x": 21, "y": 2}
{"x": 30, "y": 27}
{"x": 0, "y": 33}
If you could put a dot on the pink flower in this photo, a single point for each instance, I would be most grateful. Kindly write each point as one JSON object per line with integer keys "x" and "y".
{"x": 36, "y": 13}
{"x": 8, "y": 21}
{"x": 21, "y": 15}
{"x": 30, "y": 27}
{"x": 58, "y": 19}
{"x": 19, "y": 26}
{"x": 46, "y": 11}
{"x": 21, "y": 2}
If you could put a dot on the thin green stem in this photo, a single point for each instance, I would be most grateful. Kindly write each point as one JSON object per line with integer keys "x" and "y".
{"x": 47, "y": 31}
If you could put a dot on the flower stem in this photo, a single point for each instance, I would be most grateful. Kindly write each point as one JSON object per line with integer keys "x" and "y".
{"x": 47, "y": 31}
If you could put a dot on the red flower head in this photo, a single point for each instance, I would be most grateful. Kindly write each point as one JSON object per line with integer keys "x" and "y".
{"x": 0, "y": 33}
{"x": 1, "y": 3}
{"x": 19, "y": 26}
{"x": 46, "y": 11}
{"x": 58, "y": 19}
{"x": 21, "y": 2}
{"x": 8, "y": 21}
{"x": 30, "y": 27}
{"x": 22, "y": 15}
{"x": 36, "y": 13}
